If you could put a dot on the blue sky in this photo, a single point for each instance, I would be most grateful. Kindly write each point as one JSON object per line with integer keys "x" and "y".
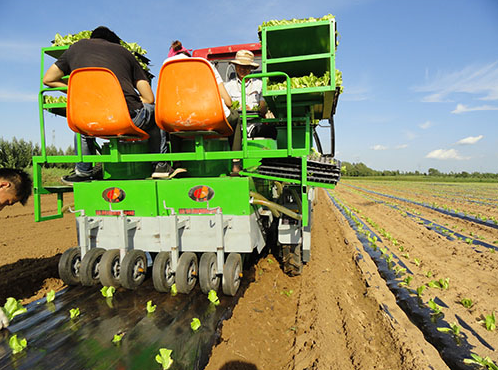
{"x": 420, "y": 77}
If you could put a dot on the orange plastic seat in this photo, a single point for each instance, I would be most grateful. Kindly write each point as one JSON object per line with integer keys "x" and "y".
{"x": 188, "y": 99}
{"x": 96, "y": 106}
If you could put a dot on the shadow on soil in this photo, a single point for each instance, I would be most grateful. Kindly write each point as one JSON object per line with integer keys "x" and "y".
{"x": 25, "y": 277}
{"x": 238, "y": 365}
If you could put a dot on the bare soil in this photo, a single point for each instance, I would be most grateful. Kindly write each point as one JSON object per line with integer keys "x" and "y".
{"x": 339, "y": 314}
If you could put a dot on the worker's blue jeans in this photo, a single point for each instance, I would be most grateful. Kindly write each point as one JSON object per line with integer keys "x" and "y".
{"x": 143, "y": 119}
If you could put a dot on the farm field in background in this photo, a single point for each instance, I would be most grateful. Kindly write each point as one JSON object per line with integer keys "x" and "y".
{"x": 440, "y": 242}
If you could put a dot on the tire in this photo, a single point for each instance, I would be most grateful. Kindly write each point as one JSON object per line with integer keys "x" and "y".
{"x": 110, "y": 267}
{"x": 293, "y": 264}
{"x": 186, "y": 272}
{"x": 133, "y": 269}
{"x": 232, "y": 273}
{"x": 69, "y": 266}
{"x": 162, "y": 273}
{"x": 208, "y": 280}
{"x": 89, "y": 271}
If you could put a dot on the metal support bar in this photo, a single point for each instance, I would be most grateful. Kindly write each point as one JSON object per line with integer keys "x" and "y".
{"x": 126, "y": 225}
{"x": 221, "y": 225}
{"x": 85, "y": 227}
{"x": 170, "y": 227}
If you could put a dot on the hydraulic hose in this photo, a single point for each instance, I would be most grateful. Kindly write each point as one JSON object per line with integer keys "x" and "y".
{"x": 274, "y": 207}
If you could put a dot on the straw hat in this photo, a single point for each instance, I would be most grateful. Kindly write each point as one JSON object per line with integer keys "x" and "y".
{"x": 245, "y": 58}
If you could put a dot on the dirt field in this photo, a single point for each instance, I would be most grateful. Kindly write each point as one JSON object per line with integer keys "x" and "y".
{"x": 339, "y": 314}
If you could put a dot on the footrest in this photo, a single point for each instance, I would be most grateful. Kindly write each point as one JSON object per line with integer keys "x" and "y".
{"x": 58, "y": 189}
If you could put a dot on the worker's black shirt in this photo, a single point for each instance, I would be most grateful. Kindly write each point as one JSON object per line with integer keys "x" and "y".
{"x": 102, "y": 53}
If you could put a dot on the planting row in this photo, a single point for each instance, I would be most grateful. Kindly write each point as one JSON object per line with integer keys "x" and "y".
{"x": 442, "y": 277}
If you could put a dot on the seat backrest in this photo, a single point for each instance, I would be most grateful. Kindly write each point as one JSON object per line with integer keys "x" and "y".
{"x": 96, "y": 105}
{"x": 188, "y": 98}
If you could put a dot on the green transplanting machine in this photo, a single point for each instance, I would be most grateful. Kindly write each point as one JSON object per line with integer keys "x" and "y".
{"x": 200, "y": 226}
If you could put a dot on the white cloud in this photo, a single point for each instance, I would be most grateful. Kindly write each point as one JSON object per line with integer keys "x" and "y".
{"x": 7, "y": 96}
{"x": 445, "y": 154}
{"x": 378, "y": 147}
{"x": 470, "y": 140}
{"x": 425, "y": 125}
{"x": 401, "y": 146}
{"x": 479, "y": 80}
{"x": 460, "y": 108}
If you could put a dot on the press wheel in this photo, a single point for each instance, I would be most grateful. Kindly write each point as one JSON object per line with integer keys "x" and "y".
{"x": 110, "y": 268}
{"x": 69, "y": 266}
{"x": 162, "y": 272}
{"x": 133, "y": 269}
{"x": 232, "y": 274}
{"x": 89, "y": 272}
{"x": 208, "y": 279}
{"x": 186, "y": 272}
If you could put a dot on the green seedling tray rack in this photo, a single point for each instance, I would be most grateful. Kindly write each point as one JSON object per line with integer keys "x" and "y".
{"x": 297, "y": 50}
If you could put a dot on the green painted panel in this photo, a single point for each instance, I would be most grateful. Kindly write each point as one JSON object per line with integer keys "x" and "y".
{"x": 140, "y": 198}
{"x": 229, "y": 193}
{"x": 127, "y": 170}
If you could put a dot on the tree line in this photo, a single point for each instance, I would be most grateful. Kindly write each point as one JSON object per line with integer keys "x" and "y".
{"x": 360, "y": 169}
{"x": 18, "y": 154}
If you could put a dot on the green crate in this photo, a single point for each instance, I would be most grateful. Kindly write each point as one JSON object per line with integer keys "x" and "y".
{"x": 298, "y": 50}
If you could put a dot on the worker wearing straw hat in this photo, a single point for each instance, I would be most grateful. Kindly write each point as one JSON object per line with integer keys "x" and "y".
{"x": 244, "y": 65}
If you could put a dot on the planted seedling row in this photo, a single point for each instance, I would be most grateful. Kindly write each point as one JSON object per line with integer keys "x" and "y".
{"x": 431, "y": 225}
{"x": 442, "y": 284}
{"x": 422, "y": 315}
{"x": 480, "y": 219}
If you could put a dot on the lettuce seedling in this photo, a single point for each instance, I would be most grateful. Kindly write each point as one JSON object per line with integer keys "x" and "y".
{"x": 444, "y": 283}
{"x": 174, "y": 291}
{"x": 453, "y": 329}
{"x": 417, "y": 261}
{"x": 436, "y": 309}
{"x": 213, "y": 297}
{"x": 13, "y": 308}
{"x": 406, "y": 281}
{"x": 74, "y": 312}
{"x": 490, "y": 322}
{"x": 288, "y": 293}
{"x": 17, "y": 345}
{"x": 466, "y": 302}
{"x": 117, "y": 337}
{"x": 50, "y": 296}
{"x": 108, "y": 291}
{"x": 485, "y": 362}
{"x": 420, "y": 290}
{"x": 164, "y": 358}
{"x": 399, "y": 270}
{"x": 150, "y": 307}
{"x": 195, "y": 324}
